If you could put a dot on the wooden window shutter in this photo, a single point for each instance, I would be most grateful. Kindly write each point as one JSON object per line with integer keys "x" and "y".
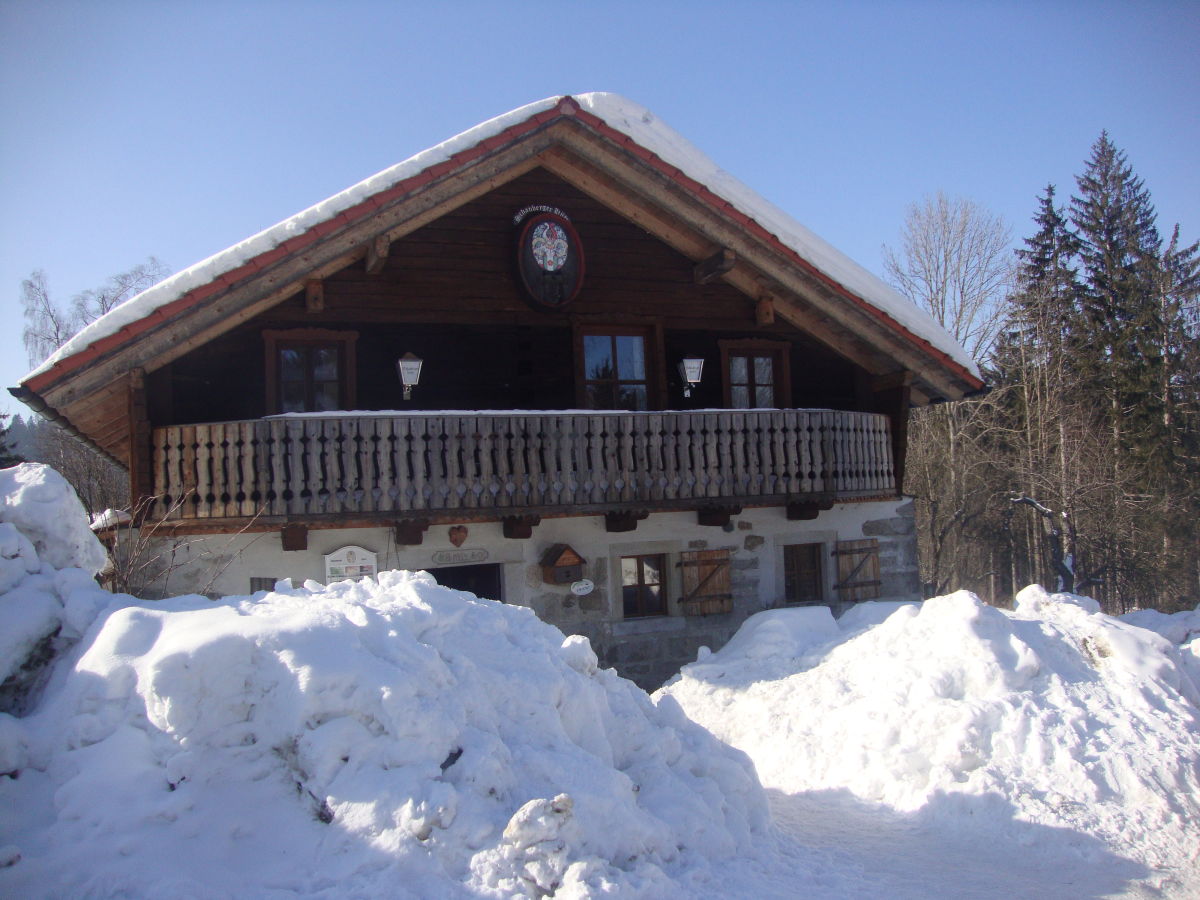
{"x": 706, "y": 583}
{"x": 857, "y": 570}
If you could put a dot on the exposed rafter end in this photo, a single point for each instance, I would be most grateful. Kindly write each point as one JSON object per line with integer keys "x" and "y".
{"x": 410, "y": 532}
{"x": 314, "y": 295}
{"x": 716, "y": 516}
{"x": 520, "y": 527}
{"x": 715, "y": 266}
{"x": 764, "y": 310}
{"x": 623, "y": 520}
{"x": 377, "y": 254}
{"x": 808, "y": 508}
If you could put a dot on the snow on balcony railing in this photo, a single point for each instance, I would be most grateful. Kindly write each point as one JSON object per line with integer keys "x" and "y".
{"x": 515, "y": 462}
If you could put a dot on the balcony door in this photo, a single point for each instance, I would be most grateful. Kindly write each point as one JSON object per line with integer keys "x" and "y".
{"x": 617, "y": 368}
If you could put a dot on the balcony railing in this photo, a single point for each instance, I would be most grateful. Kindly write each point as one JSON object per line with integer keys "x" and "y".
{"x": 514, "y": 463}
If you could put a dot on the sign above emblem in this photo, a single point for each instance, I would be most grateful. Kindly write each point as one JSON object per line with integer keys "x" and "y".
{"x": 549, "y": 257}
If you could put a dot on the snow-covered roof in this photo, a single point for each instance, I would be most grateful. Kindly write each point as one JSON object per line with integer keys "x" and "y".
{"x": 623, "y": 115}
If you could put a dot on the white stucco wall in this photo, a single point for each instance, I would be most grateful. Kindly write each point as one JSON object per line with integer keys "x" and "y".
{"x": 224, "y": 565}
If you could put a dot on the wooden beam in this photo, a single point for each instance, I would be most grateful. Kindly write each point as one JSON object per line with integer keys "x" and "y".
{"x": 410, "y": 532}
{"x": 377, "y": 254}
{"x": 803, "y": 509}
{"x": 715, "y": 266}
{"x": 519, "y": 527}
{"x": 141, "y": 467}
{"x": 716, "y": 516}
{"x": 314, "y": 295}
{"x": 764, "y": 310}
{"x": 623, "y": 520}
{"x": 903, "y": 378}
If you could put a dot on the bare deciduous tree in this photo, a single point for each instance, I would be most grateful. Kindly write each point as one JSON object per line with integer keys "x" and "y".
{"x": 99, "y": 483}
{"x": 955, "y": 262}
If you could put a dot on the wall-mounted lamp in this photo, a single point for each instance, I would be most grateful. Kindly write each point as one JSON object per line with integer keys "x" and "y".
{"x": 409, "y": 368}
{"x": 690, "y": 370}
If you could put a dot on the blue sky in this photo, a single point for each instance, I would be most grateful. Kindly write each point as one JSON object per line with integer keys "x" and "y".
{"x": 175, "y": 129}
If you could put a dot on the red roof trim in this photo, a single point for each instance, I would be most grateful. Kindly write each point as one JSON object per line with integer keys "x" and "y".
{"x": 567, "y": 107}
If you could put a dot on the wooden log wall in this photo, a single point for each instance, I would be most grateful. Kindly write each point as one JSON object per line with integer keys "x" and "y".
{"x": 515, "y": 463}
{"x": 447, "y": 292}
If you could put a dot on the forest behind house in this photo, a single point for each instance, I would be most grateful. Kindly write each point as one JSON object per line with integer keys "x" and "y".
{"x": 1080, "y": 468}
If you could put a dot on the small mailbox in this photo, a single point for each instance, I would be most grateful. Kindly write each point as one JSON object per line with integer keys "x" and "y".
{"x": 561, "y": 565}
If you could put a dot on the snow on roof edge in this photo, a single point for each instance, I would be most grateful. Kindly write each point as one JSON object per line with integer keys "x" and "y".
{"x": 624, "y": 115}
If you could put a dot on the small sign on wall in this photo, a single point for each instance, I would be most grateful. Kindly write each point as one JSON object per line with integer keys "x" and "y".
{"x": 350, "y": 562}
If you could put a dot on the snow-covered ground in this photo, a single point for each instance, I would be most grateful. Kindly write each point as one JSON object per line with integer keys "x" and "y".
{"x": 394, "y": 738}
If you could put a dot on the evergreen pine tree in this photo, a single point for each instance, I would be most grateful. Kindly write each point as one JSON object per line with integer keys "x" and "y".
{"x": 1043, "y": 316}
{"x": 1119, "y": 251}
{"x": 7, "y": 456}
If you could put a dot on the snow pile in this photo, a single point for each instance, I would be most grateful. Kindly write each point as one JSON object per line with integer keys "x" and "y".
{"x": 973, "y": 719}
{"x": 48, "y": 556}
{"x": 373, "y": 738}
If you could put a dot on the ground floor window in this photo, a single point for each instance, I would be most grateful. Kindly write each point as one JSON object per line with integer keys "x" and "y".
{"x": 643, "y": 585}
{"x": 803, "y": 578}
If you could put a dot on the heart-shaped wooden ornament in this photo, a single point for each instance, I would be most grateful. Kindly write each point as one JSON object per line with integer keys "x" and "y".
{"x": 458, "y": 535}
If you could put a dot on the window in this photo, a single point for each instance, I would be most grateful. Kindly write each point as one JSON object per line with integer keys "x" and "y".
{"x": 756, "y": 374}
{"x": 615, "y": 373}
{"x": 803, "y": 579}
{"x": 751, "y": 380}
{"x": 262, "y": 584}
{"x": 310, "y": 370}
{"x": 310, "y": 377}
{"x": 643, "y": 588}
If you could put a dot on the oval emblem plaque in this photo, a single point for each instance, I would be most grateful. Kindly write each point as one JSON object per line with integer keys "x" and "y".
{"x": 549, "y": 260}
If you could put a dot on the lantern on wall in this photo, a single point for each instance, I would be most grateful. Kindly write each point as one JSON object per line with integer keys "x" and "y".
{"x": 409, "y": 368}
{"x": 690, "y": 370}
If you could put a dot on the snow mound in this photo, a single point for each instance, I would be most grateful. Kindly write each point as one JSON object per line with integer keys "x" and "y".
{"x": 48, "y": 556}
{"x": 1178, "y": 628}
{"x": 976, "y": 719}
{"x": 390, "y": 738}
{"x": 40, "y": 503}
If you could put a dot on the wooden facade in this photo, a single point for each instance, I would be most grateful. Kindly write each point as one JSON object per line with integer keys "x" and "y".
{"x": 184, "y": 396}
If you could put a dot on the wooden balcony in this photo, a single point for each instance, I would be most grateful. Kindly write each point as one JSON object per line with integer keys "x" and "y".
{"x": 497, "y": 464}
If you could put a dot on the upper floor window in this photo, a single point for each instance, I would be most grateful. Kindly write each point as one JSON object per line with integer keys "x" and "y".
{"x": 615, "y": 371}
{"x": 310, "y": 370}
{"x": 756, "y": 374}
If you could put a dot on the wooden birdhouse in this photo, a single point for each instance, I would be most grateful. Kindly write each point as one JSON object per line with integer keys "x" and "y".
{"x": 561, "y": 565}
